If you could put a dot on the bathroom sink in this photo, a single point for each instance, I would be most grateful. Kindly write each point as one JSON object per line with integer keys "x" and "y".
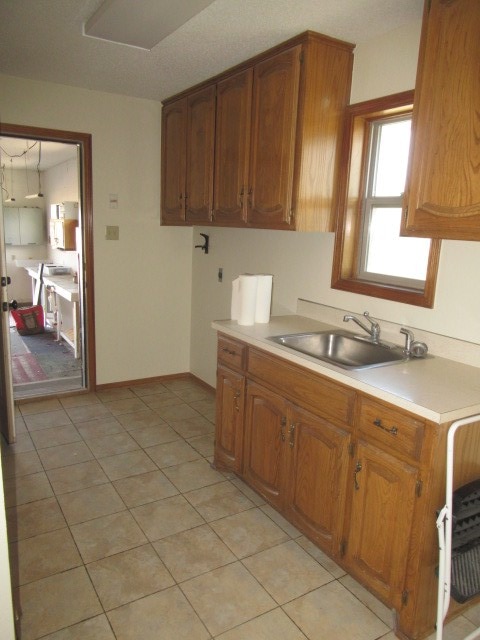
{"x": 343, "y": 348}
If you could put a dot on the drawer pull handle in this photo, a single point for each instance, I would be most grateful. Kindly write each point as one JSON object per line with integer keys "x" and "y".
{"x": 291, "y": 431}
{"x": 229, "y": 351}
{"x": 392, "y": 430}
{"x": 358, "y": 468}
{"x": 283, "y": 424}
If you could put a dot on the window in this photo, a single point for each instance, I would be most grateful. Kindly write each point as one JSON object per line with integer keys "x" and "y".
{"x": 370, "y": 255}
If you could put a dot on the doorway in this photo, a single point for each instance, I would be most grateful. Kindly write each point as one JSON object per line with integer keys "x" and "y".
{"x": 56, "y": 354}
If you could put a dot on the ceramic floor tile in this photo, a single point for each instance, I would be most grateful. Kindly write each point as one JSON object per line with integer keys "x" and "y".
{"x": 107, "y": 535}
{"x": 227, "y": 597}
{"x": 57, "y": 602}
{"x": 191, "y": 427}
{"x": 88, "y": 412}
{"x": 90, "y": 503}
{"x": 140, "y": 419}
{"x": 147, "y": 487}
{"x": 99, "y": 427}
{"x": 79, "y": 400}
{"x": 40, "y": 406}
{"x": 111, "y": 444}
{"x": 193, "y": 552}
{"x": 129, "y": 405}
{"x": 119, "y": 393}
{"x": 193, "y": 475}
{"x": 326, "y": 562}
{"x": 34, "y": 518}
{"x": 287, "y": 571}
{"x": 65, "y": 455}
{"x": 251, "y": 495}
{"x": 33, "y": 558}
{"x": 47, "y": 420}
{"x": 128, "y": 464}
{"x": 21, "y": 464}
{"x": 26, "y": 489}
{"x": 249, "y": 532}
{"x": 22, "y": 444}
{"x": 332, "y": 612}
{"x": 76, "y": 476}
{"x": 203, "y": 444}
{"x": 273, "y": 514}
{"x": 128, "y": 576}
{"x": 166, "y": 517}
{"x": 176, "y": 412}
{"x": 166, "y": 615}
{"x": 172, "y": 453}
{"x": 205, "y": 407}
{"x": 274, "y": 625}
{"x": 97, "y": 628}
{"x": 218, "y": 501}
{"x": 55, "y": 436}
{"x": 162, "y": 401}
{"x": 158, "y": 434}
{"x": 379, "y": 609}
{"x": 192, "y": 394}
{"x": 149, "y": 389}
{"x": 456, "y": 629}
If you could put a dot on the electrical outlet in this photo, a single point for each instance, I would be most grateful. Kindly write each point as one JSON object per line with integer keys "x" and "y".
{"x": 112, "y": 232}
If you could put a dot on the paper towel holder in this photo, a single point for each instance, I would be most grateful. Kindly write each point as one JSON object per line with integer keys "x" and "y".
{"x": 206, "y": 242}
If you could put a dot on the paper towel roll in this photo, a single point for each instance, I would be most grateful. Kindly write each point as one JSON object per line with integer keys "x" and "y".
{"x": 235, "y": 304}
{"x": 264, "y": 298}
{"x": 248, "y": 299}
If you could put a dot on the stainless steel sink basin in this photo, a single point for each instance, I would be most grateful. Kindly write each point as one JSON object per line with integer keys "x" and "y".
{"x": 343, "y": 348}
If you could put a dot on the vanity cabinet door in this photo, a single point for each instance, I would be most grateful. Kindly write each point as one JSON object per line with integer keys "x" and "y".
{"x": 230, "y": 400}
{"x": 174, "y": 127}
{"x": 265, "y": 440}
{"x": 443, "y": 188}
{"x": 200, "y": 151}
{"x": 378, "y": 530}
{"x": 317, "y": 477}
{"x": 274, "y": 121}
{"x": 232, "y": 146}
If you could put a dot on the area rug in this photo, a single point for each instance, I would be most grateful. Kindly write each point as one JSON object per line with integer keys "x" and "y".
{"x": 26, "y": 368}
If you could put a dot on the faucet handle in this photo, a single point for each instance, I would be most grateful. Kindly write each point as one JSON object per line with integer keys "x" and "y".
{"x": 375, "y": 326}
{"x": 409, "y": 338}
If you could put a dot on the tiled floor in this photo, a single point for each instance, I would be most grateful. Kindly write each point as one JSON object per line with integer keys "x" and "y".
{"x": 119, "y": 528}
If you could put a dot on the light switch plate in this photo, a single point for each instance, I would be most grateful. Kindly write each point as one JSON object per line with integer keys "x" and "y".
{"x": 112, "y": 232}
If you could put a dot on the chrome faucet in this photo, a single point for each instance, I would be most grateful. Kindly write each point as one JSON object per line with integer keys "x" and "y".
{"x": 373, "y": 330}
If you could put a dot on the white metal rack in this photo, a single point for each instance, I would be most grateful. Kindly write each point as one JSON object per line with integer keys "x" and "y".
{"x": 444, "y": 526}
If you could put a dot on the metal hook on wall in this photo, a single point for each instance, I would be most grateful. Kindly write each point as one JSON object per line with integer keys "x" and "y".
{"x": 204, "y": 246}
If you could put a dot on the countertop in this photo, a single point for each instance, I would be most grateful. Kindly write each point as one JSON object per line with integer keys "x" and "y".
{"x": 63, "y": 285}
{"x": 438, "y": 389}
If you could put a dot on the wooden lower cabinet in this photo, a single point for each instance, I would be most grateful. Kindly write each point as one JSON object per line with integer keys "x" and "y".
{"x": 380, "y": 521}
{"x": 229, "y": 419}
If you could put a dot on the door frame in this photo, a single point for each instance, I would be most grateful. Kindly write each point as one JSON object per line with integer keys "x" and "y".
{"x": 84, "y": 140}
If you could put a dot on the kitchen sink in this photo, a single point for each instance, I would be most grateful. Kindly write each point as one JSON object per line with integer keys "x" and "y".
{"x": 343, "y": 348}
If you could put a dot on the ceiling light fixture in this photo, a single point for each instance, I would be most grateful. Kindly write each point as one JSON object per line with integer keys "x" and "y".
{"x": 10, "y": 197}
{"x": 39, "y": 194}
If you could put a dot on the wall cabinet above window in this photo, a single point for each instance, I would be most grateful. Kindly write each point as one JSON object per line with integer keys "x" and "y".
{"x": 266, "y": 154}
{"x": 443, "y": 190}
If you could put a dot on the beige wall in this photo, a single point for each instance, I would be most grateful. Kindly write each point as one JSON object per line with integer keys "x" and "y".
{"x": 301, "y": 263}
{"x": 143, "y": 281}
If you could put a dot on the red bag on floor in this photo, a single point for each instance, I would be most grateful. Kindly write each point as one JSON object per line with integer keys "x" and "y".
{"x": 29, "y": 320}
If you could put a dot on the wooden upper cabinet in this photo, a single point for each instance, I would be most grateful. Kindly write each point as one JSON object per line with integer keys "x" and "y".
{"x": 232, "y": 148}
{"x": 200, "y": 154}
{"x": 274, "y": 121}
{"x": 443, "y": 188}
{"x": 275, "y": 141}
{"x": 174, "y": 120}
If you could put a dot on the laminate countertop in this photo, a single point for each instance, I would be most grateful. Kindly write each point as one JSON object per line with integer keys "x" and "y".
{"x": 436, "y": 388}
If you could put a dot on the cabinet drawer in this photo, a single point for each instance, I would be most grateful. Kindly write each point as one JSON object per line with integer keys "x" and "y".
{"x": 391, "y": 428}
{"x": 328, "y": 399}
{"x": 232, "y": 352}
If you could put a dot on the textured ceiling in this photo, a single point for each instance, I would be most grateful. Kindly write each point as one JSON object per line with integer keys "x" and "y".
{"x": 42, "y": 39}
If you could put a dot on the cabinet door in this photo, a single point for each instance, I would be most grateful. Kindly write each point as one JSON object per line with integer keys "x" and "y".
{"x": 264, "y": 452}
{"x": 378, "y": 538}
{"x": 317, "y": 478}
{"x": 229, "y": 419}
{"x": 11, "y": 219}
{"x": 200, "y": 152}
{"x": 174, "y": 127}
{"x": 274, "y": 121}
{"x": 443, "y": 190}
{"x": 31, "y": 226}
{"x": 232, "y": 145}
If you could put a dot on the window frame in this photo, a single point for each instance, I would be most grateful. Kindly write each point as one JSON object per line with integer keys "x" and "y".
{"x": 350, "y": 202}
